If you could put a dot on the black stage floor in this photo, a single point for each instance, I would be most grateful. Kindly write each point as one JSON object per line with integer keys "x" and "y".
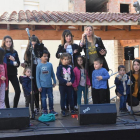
{"x": 69, "y": 128}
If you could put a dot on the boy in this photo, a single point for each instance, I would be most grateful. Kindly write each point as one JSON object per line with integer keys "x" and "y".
{"x": 66, "y": 77}
{"x": 99, "y": 82}
{"x": 44, "y": 76}
{"x": 122, "y": 87}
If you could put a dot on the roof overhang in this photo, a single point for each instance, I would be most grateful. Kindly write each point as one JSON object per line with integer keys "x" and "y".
{"x": 95, "y": 23}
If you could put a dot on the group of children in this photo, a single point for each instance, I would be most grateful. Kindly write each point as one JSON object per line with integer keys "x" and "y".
{"x": 72, "y": 80}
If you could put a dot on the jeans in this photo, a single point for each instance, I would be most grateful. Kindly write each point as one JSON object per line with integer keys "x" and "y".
{"x": 63, "y": 91}
{"x": 123, "y": 99}
{"x": 43, "y": 98}
{"x": 27, "y": 100}
{"x": 79, "y": 94}
{"x": 15, "y": 83}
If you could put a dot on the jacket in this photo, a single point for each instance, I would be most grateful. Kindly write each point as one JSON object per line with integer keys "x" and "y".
{"x": 77, "y": 74}
{"x": 26, "y": 84}
{"x": 100, "y": 46}
{"x": 133, "y": 85}
{"x": 121, "y": 85}
{"x": 61, "y": 49}
{"x": 65, "y": 74}
{"x": 6, "y": 76}
{"x": 98, "y": 84}
{"x": 28, "y": 62}
{"x": 44, "y": 75}
{"x": 11, "y": 69}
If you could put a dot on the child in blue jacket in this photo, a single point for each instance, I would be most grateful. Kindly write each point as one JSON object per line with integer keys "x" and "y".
{"x": 122, "y": 87}
{"x": 44, "y": 76}
{"x": 26, "y": 85}
{"x": 99, "y": 82}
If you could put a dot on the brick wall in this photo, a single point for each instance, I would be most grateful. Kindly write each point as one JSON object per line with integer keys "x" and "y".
{"x": 77, "y": 5}
{"x": 114, "y": 5}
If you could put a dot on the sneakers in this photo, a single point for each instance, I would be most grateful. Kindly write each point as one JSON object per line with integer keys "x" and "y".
{"x": 75, "y": 108}
{"x": 63, "y": 113}
{"x": 129, "y": 108}
{"x": 36, "y": 111}
{"x": 45, "y": 112}
{"x": 53, "y": 112}
{"x": 72, "y": 112}
{"x": 124, "y": 110}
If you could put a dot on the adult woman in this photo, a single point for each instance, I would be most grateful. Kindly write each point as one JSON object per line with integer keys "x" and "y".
{"x": 96, "y": 49}
{"x": 37, "y": 53}
{"x": 135, "y": 87}
{"x": 67, "y": 46}
{"x": 12, "y": 60}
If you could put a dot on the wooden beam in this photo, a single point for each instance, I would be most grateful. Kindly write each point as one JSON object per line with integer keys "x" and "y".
{"x": 53, "y": 26}
{"x": 104, "y": 28}
{"x": 33, "y": 27}
{"x": 56, "y": 35}
{"x": 81, "y": 28}
{"x": 135, "y": 27}
{"x": 8, "y": 26}
{"x": 129, "y": 43}
{"x": 127, "y": 27}
{"x": 57, "y": 27}
{"x": 118, "y": 27}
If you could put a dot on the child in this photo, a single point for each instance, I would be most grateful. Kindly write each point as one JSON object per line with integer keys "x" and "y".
{"x": 26, "y": 85}
{"x": 66, "y": 98}
{"x": 3, "y": 79}
{"x": 44, "y": 76}
{"x": 36, "y": 60}
{"x": 99, "y": 82}
{"x": 122, "y": 88}
{"x": 12, "y": 60}
{"x": 66, "y": 77}
{"x": 79, "y": 82}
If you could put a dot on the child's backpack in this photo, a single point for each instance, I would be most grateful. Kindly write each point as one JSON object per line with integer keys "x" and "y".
{"x": 47, "y": 118}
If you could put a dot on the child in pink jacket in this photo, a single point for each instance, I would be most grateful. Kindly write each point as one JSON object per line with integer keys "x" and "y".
{"x": 3, "y": 79}
{"x": 79, "y": 83}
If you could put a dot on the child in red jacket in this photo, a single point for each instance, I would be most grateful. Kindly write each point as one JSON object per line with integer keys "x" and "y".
{"x": 3, "y": 78}
{"x": 79, "y": 83}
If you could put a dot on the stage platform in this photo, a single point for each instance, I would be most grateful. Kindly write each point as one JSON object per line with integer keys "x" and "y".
{"x": 68, "y": 128}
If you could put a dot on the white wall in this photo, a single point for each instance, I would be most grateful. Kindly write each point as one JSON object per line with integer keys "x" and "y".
{"x": 44, "y": 5}
{"x": 54, "y": 5}
{"x": 52, "y": 45}
{"x": 109, "y": 45}
{"x": 10, "y": 5}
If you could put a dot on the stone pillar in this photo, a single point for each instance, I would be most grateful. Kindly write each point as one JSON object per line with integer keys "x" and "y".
{"x": 119, "y": 54}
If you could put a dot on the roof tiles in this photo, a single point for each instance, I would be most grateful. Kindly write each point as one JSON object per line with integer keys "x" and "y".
{"x": 57, "y": 16}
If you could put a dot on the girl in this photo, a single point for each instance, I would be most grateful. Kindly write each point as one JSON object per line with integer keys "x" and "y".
{"x": 79, "y": 82}
{"x": 96, "y": 49}
{"x": 12, "y": 60}
{"x": 26, "y": 85}
{"x": 66, "y": 77}
{"x": 67, "y": 46}
{"x": 3, "y": 79}
{"x": 135, "y": 87}
{"x": 36, "y": 60}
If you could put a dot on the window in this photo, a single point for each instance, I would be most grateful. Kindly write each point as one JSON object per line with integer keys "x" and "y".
{"x": 124, "y": 8}
{"x": 96, "y": 5}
